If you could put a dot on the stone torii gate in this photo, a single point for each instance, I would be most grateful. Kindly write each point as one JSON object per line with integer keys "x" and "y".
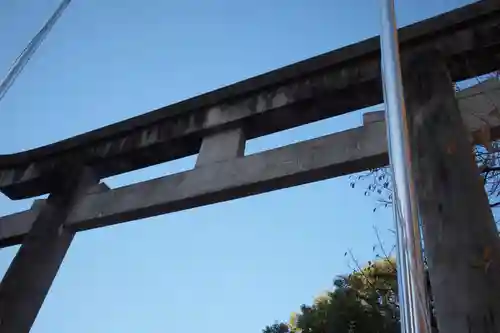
{"x": 463, "y": 43}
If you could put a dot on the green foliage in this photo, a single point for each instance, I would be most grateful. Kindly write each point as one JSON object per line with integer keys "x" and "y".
{"x": 362, "y": 302}
{"x": 276, "y": 328}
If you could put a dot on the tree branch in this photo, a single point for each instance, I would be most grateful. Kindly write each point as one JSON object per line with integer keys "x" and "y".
{"x": 496, "y": 204}
{"x": 490, "y": 169}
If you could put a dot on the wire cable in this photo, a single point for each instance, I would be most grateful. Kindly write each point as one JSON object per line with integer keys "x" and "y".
{"x": 23, "y": 58}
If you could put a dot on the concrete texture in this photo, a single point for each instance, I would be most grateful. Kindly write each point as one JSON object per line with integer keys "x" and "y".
{"x": 14, "y": 227}
{"x": 331, "y": 84}
{"x": 479, "y": 107}
{"x": 33, "y": 269}
{"x": 453, "y": 207}
{"x": 326, "y": 157}
{"x": 373, "y": 117}
{"x": 221, "y": 147}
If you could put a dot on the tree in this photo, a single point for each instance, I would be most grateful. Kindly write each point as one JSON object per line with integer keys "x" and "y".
{"x": 276, "y": 328}
{"x": 362, "y": 302}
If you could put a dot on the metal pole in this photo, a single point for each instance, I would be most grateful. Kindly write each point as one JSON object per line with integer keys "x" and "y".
{"x": 413, "y": 297}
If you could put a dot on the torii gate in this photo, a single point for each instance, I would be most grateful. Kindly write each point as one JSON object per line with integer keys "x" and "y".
{"x": 464, "y": 43}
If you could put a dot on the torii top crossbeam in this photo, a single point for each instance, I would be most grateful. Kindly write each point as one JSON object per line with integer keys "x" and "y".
{"x": 324, "y": 86}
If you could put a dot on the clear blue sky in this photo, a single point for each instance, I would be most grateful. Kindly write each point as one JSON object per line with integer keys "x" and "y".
{"x": 229, "y": 267}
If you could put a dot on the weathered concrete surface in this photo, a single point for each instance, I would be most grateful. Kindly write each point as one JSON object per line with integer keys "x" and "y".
{"x": 15, "y": 226}
{"x": 303, "y": 162}
{"x": 479, "y": 106}
{"x": 317, "y": 88}
{"x": 221, "y": 146}
{"x": 33, "y": 269}
{"x": 373, "y": 117}
{"x": 330, "y": 156}
{"x": 292, "y": 165}
{"x": 461, "y": 240}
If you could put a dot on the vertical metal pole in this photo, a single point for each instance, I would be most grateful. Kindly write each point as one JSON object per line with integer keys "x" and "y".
{"x": 413, "y": 297}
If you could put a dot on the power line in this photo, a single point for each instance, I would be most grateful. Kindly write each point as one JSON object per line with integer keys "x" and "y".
{"x": 22, "y": 59}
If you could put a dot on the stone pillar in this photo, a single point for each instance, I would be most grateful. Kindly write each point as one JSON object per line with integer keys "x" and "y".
{"x": 461, "y": 241}
{"x": 31, "y": 273}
